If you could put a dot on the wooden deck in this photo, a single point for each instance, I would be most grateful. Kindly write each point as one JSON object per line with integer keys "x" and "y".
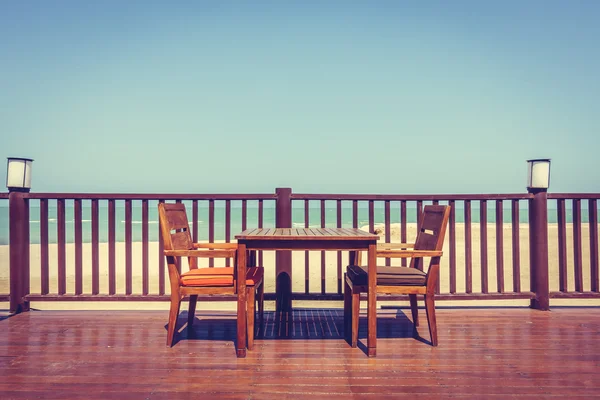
{"x": 483, "y": 353}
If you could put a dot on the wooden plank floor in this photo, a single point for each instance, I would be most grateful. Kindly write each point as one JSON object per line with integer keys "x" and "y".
{"x": 483, "y": 353}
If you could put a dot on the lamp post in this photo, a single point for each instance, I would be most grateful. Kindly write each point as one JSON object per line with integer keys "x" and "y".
{"x": 538, "y": 181}
{"x": 18, "y": 183}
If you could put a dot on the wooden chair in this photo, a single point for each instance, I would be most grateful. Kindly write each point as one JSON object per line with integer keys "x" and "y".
{"x": 202, "y": 281}
{"x": 410, "y": 280}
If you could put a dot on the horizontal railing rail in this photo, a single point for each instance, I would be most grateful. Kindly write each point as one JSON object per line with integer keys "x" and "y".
{"x": 161, "y": 196}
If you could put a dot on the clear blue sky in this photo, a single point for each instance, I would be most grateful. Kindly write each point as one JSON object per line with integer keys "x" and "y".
{"x": 321, "y": 96}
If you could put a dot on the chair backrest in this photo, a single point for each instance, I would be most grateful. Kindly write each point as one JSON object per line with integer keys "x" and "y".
{"x": 174, "y": 226}
{"x": 432, "y": 231}
{"x": 175, "y": 229}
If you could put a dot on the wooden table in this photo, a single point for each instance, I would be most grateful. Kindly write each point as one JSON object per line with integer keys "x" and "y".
{"x": 350, "y": 239}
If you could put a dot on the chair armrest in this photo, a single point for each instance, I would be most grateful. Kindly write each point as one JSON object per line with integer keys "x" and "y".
{"x": 215, "y": 245}
{"x": 201, "y": 253}
{"x": 384, "y": 246}
{"x": 409, "y": 253}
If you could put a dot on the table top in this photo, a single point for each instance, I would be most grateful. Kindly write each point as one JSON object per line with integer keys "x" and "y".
{"x": 306, "y": 234}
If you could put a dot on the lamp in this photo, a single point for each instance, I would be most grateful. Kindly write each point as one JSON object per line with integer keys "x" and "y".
{"x": 538, "y": 176}
{"x": 18, "y": 174}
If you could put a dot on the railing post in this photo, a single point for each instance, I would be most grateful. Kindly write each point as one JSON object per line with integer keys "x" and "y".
{"x": 283, "y": 259}
{"x": 538, "y": 249}
{"x": 18, "y": 249}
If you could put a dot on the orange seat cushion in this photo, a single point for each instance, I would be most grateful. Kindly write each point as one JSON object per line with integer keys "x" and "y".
{"x": 222, "y": 276}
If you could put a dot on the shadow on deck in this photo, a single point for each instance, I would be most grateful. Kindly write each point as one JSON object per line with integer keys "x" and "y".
{"x": 483, "y": 353}
{"x": 298, "y": 324}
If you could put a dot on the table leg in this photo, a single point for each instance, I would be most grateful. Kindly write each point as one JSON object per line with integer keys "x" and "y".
{"x": 372, "y": 302}
{"x": 241, "y": 301}
{"x": 283, "y": 288}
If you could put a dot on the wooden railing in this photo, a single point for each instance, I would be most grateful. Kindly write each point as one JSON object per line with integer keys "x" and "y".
{"x": 493, "y": 249}
{"x": 475, "y": 255}
{"x": 577, "y": 275}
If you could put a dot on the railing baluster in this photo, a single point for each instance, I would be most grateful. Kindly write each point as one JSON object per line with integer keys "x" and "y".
{"x": 26, "y": 255}
{"x": 468, "y": 249}
{"x": 306, "y": 253}
{"x": 593, "y": 223}
{"x": 244, "y": 214}
{"x": 452, "y": 254}
{"x": 516, "y": 247}
{"x": 44, "y": 259}
{"x": 211, "y": 228}
{"x": 577, "y": 257}
{"x": 339, "y": 253}
{"x": 227, "y": 227}
{"x": 128, "y": 247}
{"x": 195, "y": 218}
{"x": 562, "y": 247}
{"x": 112, "y": 284}
{"x": 260, "y": 225}
{"x": 499, "y": 246}
{"x": 438, "y": 287}
{"x": 403, "y": 227}
{"x": 161, "y": 259}
{"x": 323, "y": 272}
{"x": 95, "y": 216}
{"x": 145, "y": 248}
{"x": 78, "y": 247}
{"x": 387, "y": 227}
{"x": 61, "y": 243}
{"x": 371, "y": 216}
{"x": 419, "y": 214}
{"x": 483, "y": 245}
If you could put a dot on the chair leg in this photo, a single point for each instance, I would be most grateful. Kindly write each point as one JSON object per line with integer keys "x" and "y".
{"x": 430, "y": 309}
{"x": 347, "y": 311}
{"x": 355, "y": 317}
{"x": 192, "y": 309}
{"x": 173, "y": 313}
{"x": 261, "y": 304}
{"x": 414, "y": 308}
{"x": 250, "y": 306}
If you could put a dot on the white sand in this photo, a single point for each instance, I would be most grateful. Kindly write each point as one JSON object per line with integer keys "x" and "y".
{"x": 298, "y": 268}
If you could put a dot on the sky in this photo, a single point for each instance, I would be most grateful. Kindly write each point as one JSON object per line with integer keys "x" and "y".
{"x": 383, "y": 97}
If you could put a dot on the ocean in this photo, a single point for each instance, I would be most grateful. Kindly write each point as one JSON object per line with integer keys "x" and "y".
{"x": 236, "y": 216}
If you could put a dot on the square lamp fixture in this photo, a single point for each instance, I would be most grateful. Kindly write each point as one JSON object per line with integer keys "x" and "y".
{"x": 538, "y": 176}
{"x": 18, "y": 174}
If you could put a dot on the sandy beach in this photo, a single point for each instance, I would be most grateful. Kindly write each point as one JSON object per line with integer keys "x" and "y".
{"x": 298, "y": 268}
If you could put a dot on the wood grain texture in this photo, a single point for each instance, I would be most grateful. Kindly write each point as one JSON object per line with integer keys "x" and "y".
{"x": 306, "y": 234}
{"x": 483, "y": 353}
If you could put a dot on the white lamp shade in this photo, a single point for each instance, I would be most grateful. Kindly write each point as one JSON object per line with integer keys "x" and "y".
{"x": 18, "y": 173}
{"x": 538, "y": 176}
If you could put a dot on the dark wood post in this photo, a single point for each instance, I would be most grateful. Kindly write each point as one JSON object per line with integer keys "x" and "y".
{"x": 283, "y": 259}
{"x": 18, "y": 249}
{"x": 538, "y": 249}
